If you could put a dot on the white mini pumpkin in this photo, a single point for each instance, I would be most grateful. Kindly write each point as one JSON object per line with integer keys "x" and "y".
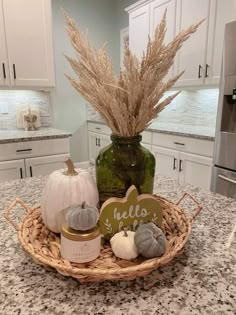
{"x": 65, "y": 189}
{"x": 123, "y": 246}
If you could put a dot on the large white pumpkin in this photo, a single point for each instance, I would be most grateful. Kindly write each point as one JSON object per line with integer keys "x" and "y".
{"x": 65, "y": 189}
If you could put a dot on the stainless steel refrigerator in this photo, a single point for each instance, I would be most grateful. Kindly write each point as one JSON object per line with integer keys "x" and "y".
{"x": 224, "y": 170}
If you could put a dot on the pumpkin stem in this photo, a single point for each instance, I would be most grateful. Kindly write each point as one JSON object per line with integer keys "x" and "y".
{"x": 83, "y": 205}
{"x": 70, "y": 168}
{"x": 125, "y": 233}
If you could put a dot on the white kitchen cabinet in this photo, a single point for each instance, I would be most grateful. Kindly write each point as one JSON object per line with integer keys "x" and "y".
{"x": 97, "y": 141}
{"x": 93, "y": 148}
{"x": 186, "y": 168}
{"x": 99, "y": 137}
{"x": 166, "y": 162}
{"x": 27, "y": 51}
{"x": 4, "y": 70}
{"x": 139, "y": 30}
{"x": 221, "y": 12}
{"x": 44, "y": 165}
{"x": 178, "y": 159}
{"x": 32, "y": 158}
{"x": 200, "y": 56}
{"x": 195, "y": 170}
{"x": 192, "y": 56}
{"x": 12, "y": 170}
{"x": 157, "y": 9}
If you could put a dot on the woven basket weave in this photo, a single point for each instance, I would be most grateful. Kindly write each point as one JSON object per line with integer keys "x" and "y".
{"x": 44, "y": 246}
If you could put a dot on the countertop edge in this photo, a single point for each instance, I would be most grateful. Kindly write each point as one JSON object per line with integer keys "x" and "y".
{"x": 35, "y": 138}
{"x": 179, "y": 133}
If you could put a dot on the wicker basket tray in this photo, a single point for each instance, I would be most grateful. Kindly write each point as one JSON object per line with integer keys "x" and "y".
{"x": 44, "y": 246}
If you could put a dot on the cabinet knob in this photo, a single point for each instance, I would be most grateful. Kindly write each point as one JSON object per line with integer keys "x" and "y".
{"x": 14, "y": 71}
{"x": 174, "y": 164}
{"x": 199, "y": 71}
{"x": 31, "y": 172}
{"x": 24, "y": 150}
{"x": 206, "y": 73}
{"x": 179, "y": 143}
{"x": 4, "y": 71}
{"x": 180, "y": 165}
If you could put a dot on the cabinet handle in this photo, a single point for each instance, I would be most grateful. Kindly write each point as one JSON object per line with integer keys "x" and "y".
{"x": 99, "y": 142}
{"x": 206, "y": 73}
{"x": 14, "y": 70}
{"x": 96, "y": 141}
{"x": 4, "y": 71}
{"x": 199, "y": 71}
{"x": 21, "y": 172}
{"x": 97, "y": 128}
{"x": 227, "y": 179}
{"x": 31, "y": 173}
{"x": 174, "y": 165}
{"x": 179, "y": 143}
{"x": 180, "y": 165}
{"x": 24, "y": 150}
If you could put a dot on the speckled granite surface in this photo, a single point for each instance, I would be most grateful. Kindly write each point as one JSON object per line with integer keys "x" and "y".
{"x": 193, "y": 131}
{"x": 201, "y": 281}
{"x": 7, "y": 136}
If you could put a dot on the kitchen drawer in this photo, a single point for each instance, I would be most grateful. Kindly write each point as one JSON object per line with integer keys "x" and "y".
{"x": 103, "y": 129}
{"x": 185, "y": 144}
{"x": 99, "y": 128}
{"x": 28, "y": 149}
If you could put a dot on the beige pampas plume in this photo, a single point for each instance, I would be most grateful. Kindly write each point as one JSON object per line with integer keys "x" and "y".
{"x": 130, "y": 102}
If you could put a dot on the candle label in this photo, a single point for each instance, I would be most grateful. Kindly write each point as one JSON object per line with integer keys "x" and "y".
{"x": 129, "y": 212}
{"x": 80, "y": 251}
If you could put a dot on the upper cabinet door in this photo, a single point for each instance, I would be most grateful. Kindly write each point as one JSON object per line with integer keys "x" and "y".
{"x": 192, "y": 56}
{"x": 139, "y": 30}
{"x": 157, "y": 9}
{"x": 29, "y": 42}
{"x": 4, "y": 70}
{"x": 222, "y": 12}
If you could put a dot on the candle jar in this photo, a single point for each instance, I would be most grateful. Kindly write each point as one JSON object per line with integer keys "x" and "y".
{"x": 80, "y": 246}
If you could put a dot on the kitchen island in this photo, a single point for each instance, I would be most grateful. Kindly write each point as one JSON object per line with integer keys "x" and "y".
{"x": 200, "y": 281}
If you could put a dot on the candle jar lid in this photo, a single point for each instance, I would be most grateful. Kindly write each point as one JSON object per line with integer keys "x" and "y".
{"x": 75, "y": 235}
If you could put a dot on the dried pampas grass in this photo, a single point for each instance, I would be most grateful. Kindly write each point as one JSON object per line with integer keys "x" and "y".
{"x": 129, "y": 103}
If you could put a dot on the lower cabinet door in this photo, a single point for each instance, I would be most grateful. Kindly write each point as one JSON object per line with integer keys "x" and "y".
{"x": 44, "y": 165}
{"x": 96, "y": 143}
{"x": 195, "y": 170}
{"x": 166, "y": 162}
{"x": 10, "y": 170}
{"x": 147, "y": 146}
{"x": 104, "y": 140}
{"x": 93, "y": 146}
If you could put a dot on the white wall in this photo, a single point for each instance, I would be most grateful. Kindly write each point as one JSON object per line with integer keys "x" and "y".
{"x": 68, "y": 106}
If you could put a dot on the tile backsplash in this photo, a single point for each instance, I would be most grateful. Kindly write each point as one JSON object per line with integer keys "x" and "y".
{"x": 193, "y": 106}
{"x": 9, "y": 100}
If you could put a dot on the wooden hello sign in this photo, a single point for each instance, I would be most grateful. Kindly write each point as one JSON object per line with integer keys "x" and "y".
{"x": 129, "y": 212}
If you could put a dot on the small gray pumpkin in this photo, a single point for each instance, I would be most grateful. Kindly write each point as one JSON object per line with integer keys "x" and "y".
{"x": 82, "y": 217}
{"x": 150, "y": 240}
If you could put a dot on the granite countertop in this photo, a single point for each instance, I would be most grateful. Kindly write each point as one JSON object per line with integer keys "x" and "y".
{"x": 202, "y": 281}
{"x": 19, "y": 135}
{"x": 193, "y": 131}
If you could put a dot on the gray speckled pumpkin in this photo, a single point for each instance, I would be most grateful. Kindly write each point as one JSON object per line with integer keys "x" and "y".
{"x": 82, "y": 217}
{"x": 150, "y": 240}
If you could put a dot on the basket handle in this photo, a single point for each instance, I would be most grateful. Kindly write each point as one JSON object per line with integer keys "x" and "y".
{"x": 10, "y": 208}
{"x": 199, "y": 209}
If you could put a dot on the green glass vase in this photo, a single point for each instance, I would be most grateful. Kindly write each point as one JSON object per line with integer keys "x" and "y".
{"x": 123, "y": 163}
